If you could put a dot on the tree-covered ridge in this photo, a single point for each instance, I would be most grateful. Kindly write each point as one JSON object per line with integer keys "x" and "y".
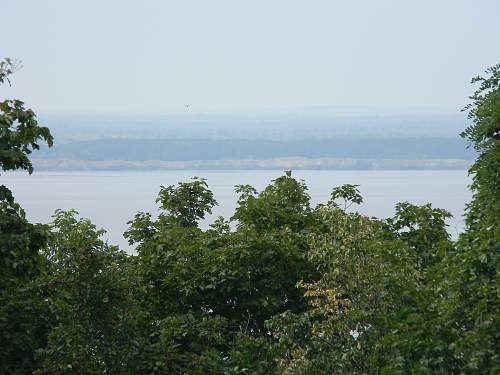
{"x": 237, "y": 149}
{"x": 291, "y": 288}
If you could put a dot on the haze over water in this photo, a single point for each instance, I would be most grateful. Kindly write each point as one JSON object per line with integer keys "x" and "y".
{"x": 111, "y": 199}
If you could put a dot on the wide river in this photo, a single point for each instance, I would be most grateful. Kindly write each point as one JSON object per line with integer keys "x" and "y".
{"x": 111, "y": 199}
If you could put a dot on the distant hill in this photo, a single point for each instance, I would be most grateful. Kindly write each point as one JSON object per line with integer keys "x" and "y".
{"x": 248, "y": 126}
{"x": 309, "y": 139}
{"x": 207, "y": 149}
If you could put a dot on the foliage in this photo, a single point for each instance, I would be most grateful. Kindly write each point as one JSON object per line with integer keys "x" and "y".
{"x": 19, "y": 242}
{"x": 24, "y": 318}
{"x": 455, "y": 326}
{"x": 7, "y": 67}
{"x": 19, "y": 129}
{"x": 281, "y": 288}
{"x": 237, "y": 279}
{"x": 283, "y": 204}
{"x": 473, "y": 282}
{"x": 365, "y": 280}
{"x": 92, "y": 298}
{"x": 423, "y": 228}
{"x": 348, "y": 193}
{"x": 188, "y": 202}
{"x": 19, "y": 133}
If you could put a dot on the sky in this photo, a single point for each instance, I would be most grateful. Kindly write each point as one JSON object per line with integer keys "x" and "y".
{"x": 156, "y": 56}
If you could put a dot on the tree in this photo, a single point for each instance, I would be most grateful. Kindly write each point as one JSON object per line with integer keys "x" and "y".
{"x": 473, "y": 276}
{"x": 187, "y": 202}
{"x": 203, "y": 285}
{"x": 7, "y": 67}
{"x": 284, "y": 203}
{"x": 348, "y": 193}
{"x": 423, "y": 228}
{"x": 454, "y": 327}
{"x": 366, "y": 275}
{"x": 19, "y": 133}
{"x": 24, "y": 319}
{"x": 19, "y": 129}
{"x": 92, "y": 294}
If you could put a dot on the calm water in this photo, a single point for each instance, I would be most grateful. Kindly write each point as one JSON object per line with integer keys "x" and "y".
{"x": 110, "y": 199}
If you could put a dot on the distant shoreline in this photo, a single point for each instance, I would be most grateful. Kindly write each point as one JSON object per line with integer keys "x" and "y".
{"x": 294, "y": 163}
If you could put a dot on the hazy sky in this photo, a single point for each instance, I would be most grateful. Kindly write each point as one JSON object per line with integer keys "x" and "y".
{"x": 157, "y": 55}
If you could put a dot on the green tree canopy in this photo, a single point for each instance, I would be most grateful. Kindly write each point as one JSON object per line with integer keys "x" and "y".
{"x": 24, "y": 319}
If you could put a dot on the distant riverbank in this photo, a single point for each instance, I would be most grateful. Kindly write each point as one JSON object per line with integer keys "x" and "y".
{"x": 294, "y": 163}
